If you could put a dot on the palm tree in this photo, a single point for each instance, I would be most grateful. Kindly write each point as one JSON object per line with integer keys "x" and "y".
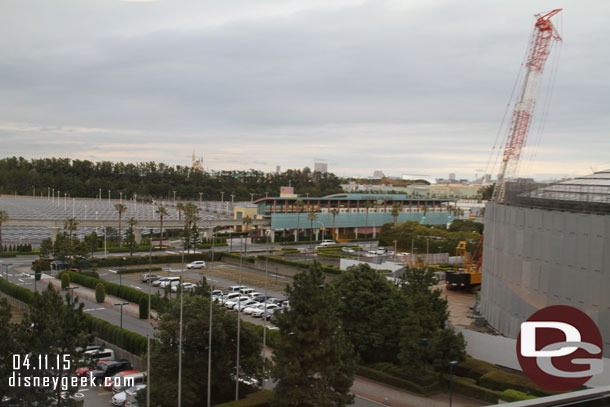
{"x": 70, "y": 225}
{"x": 367, "y": 205}
{"x": 131, "y": 243}
{"x": 3, "y": 218}
{"x": 334, "y": 212}
{"x": 396, "y": 209}
{"x": 180, "y": 207}
{"x": 312, "y": 215}
{"x": 299, "y": 206}
{"x": 190, "y": 213}
{"x": 162, "y": 211}
{"x": 247, "y": 221}
{"x": 120, "y": 208}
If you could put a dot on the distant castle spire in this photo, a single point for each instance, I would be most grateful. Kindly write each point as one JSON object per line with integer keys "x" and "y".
{"x": 197, "y": 164}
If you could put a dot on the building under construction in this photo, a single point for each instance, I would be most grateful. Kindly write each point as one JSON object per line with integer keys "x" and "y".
{"x": 548, "y": 245}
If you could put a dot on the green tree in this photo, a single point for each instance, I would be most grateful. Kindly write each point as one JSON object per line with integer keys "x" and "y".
{"x": 120, "y": 208}
{"x": 3, "y": 219}
{"x": 46, "y": 247}
{"x": 396, "y": 209}
{"x": 369, "y": 308}
{"x": 8, "y": 347}
{"x": 314, "y": 361}
{"x": 65, "y": 280}
{"x": 164, "y": 355}
{"x": 130, "y": 237}
{"x": 312, "y": 216}
{"x": 180, "y": 209}
{"x": 299, "y": 205}
{"x": 92, "y": 241}
{"x": 55, "y": 331}
{"x": 487, "y": 192}
{"x": 195, "y": 237}
{"x": 334, "y": 212}
{"x": 161, "y": 211}
{"x": 447, "y": 345}
{"x": 70, "y": 226}
{"x": 100, "y": 293}
{"x": 143, "y": 307}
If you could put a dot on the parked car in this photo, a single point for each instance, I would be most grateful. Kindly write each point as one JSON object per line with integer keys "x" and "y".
{"x": 236, "y": 288}
{"x": 167, "y": 281}
{"x": 129, "y": 380}
{"x": 232, "y": 303}
{"x": 132, "y": 393}
{"x": 199, "y": 264}
{"x": 94, "y": 356}
{"x": 347, "y": 250}
{"x": 117, "y": 377}
{"x": 247, "y": 291}
{"x": 326, "y": 243}
{"x": 110, "y": 368}
{"x": 255, "y": 294}
{"x": 250, "y": 309}
{"x": 185, "y": 287}
{"x": 259, "y": 312}
{"x": 148, "y": 277}
{"x": 246, "y": 304}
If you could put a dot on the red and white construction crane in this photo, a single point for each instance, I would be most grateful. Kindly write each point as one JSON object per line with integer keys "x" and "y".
{"x": 540, "y": 45}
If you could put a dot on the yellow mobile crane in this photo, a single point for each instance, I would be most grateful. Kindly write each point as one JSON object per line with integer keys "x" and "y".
{"x": 469, "y": 275}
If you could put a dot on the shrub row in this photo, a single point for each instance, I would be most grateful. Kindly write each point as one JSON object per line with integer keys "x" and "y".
{"x": 139, "y": 270}
{"x": 237, "y": 256}
{"x": 382, "y": 377}
{"x": 499, "y": 380}
{"x": 299, "y": 264}
{"x": 258, "y": 399}
{"x": 121, "y": 291}
{"x": 468, "y": 387}
{"x": 15, "y": 291}
{"x": 130, "y": 341}
{"x": 124, "y": 339}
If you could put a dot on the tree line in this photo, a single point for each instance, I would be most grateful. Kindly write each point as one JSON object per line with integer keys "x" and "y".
{"x": 152, "y": 180}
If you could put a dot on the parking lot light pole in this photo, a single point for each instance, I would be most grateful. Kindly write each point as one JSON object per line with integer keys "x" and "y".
{"x": 6, "y": 270}
{"x": 121, "y": 304}
{"x": 451, "y": 364}
{"x": 71, "y": 290}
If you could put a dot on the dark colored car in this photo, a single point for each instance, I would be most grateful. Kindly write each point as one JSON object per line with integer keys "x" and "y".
{"x": 109, "y": 369}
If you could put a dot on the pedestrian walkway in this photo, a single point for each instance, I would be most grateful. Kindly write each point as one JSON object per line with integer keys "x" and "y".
{"x": 89, "y": 294}
{"x": 394, "y": 397}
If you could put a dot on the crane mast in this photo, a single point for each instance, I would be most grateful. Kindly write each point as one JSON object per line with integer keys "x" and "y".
{"x": 539, "y": 48}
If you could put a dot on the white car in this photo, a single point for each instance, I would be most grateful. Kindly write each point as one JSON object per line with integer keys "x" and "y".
{"x": 259, "y": 312}
{"x": 347, "y": 250}
{"x": 185, "y": 287}
{"x": 199, "y": 264}
{"x": 119, "y": 398}
{"x": 246, "y": 304}
{"x": 232, "y": 303}
{"x": 249, "y": 310}
{"x": 165, "y": 281}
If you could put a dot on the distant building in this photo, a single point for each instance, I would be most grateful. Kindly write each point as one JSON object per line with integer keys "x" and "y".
{"x": 196, "y": 164}
{"x": 452, "y": 176}
{"x": 287, "y": 192}
{"x": 277, "y": 169}
{"x": 320, "y": 167}
{"x": 378, "y": 174}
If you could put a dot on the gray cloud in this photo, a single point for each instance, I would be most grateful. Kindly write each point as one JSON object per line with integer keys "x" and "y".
{"x": 392, "y": 85}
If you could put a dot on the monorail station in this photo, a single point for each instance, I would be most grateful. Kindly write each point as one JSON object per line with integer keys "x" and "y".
{"x": 354, "y": 215}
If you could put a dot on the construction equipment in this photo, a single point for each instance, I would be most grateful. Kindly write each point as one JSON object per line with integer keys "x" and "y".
{"x": 469, "y": 275}
{"x": 543, "y": 38}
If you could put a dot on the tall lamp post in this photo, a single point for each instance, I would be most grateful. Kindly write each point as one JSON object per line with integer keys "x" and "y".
{"x": 6, "y": 270}
{"x": 424, "y": 341}
{"x": 451, "y": 364}
{"x": 121, "y": 304}
{"x": 71, "y": 296}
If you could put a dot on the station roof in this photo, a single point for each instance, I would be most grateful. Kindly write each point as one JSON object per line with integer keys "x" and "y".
{"x": 355, "y": 197}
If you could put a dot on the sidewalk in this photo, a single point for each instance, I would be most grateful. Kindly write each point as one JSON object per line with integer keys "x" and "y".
{"x": 391, "y": 396}
{"x": 89, "y": 294}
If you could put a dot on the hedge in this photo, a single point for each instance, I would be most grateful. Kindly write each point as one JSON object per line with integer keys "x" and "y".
{"x": 100, "y": 293}
{"x": 473, "y": 368}
{"x": 468, "y": 387}
{"x": 16, "y": 291}
{"x": 237, "y": 257}
{"x": 394, "y": 381}
{"x": 130, "y": 341}
{"x": 140, "y": 270}
{"x": 258, "y": 399}
{"x": 514, "y": 395}
{"x": 299, "y": 264}
{"x": 499, "y": 380}
{"x": 116, "y": 290}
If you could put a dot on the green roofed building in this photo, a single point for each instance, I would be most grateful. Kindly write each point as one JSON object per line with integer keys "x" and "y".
{"x": 355, "y": 215}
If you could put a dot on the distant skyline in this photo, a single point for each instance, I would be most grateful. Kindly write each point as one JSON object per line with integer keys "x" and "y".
{"x": 404, "y": 87}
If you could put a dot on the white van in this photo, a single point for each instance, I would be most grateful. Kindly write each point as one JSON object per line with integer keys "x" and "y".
{"x": 236, "y": 288}
{"x": 168, "y": 281}
{"x": 247, "y": 291}
{"x": 326, "y": 243}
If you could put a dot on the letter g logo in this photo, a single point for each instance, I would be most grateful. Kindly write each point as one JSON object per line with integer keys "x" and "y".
{"x": 555, "y": 344}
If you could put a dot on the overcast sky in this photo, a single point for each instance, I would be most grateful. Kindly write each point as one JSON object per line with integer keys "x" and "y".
{"x": 406, "y": 87}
